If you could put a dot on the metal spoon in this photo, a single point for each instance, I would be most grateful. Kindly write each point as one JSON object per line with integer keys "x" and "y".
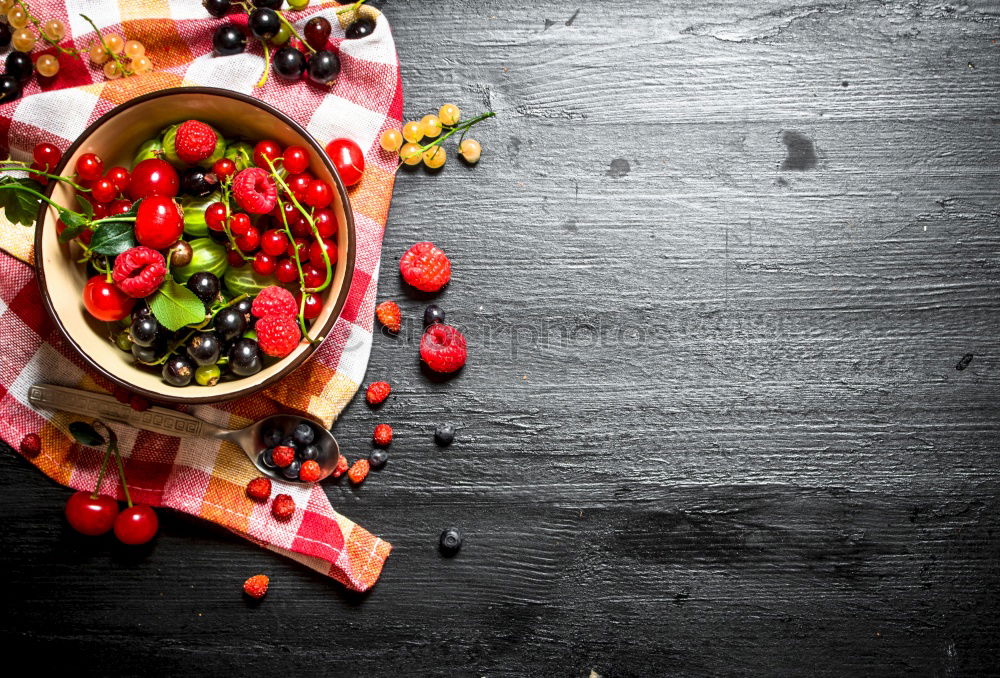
{"x": 171, "y": 423}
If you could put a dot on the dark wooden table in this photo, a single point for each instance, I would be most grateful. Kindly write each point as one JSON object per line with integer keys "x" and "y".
{"x": 730, "y": 276}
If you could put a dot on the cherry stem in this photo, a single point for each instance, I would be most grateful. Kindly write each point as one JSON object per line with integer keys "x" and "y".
{"x": 121, "y": 470}
{"x": 22, "y": 187}
{"x": 100, "y": 476}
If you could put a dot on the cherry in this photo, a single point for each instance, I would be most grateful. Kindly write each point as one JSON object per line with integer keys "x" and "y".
{"x": 326, "y": 222}
{"x": 286, "y": 271}
{"x": 240, "y": 224}
{"x": 215, "y": 216}
{"x": 120, "y": 206}
{"x": 274, "y": 242}
{"x": 153, "y": 176}
{"x": 91, "y": 514}
{"x": 89, "y": 167}
{"x": 104, "y": 301}
{"x": 266, "y": 149}
{"x": 120, "y": 177}
{"x": 224, "y": 167}
{"x": 264, "y": 263}
{"x": 318, "y": 194}
{"x": 316, "y": 254}
{"x": 136, "y": 525}
{"x": 348, "y": 159}
{"x": 158, "y": 221}
{"x": 295, "y": 160}
{"x": 104, "y": 190}
{"x": 313, "y": 307}
{"x": 46, "y": 155}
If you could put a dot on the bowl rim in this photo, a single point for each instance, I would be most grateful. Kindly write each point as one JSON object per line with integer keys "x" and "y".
{"x": 339, "y": 304}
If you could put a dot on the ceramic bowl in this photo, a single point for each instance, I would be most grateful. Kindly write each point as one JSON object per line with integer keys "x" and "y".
{"x": 115, "y": 137}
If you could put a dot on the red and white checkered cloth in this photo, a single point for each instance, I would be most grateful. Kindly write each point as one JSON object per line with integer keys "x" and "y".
{"x": 205, "y": 478}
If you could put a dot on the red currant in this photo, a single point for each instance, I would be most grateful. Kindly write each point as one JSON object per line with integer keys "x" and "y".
{"x": 158, "y": 222}
{"x": 120, "y": 177}
{"x": 318, "y": 194}
{"x": 136, "y": 525}
{"x": 263, "y": 263}
{"x": 316, "y": 253}
{"x": 289, "y": 210}
{"x": 153, "y": 176}
{"x": 215, "y": 216}
{"x": 299, "y": 185}
{"x": 235, "y": 259}
{"x": 91, "y": 515}
{"x": 295, "y": 160}
{"x": 119, "y": 207}
{"x": 104, "y": 190}
{"x": 274, "y": 242}
{"x": 300, "y": 244}
{"x": 300, "y": 227}
{"x": 312, "y": 276}
{"x": 43, "y": 180}
{"x": 240, "y": 224}
{"x": 46, "y": 155}
{"x": 224, "y": 167}
{"x": 326, "y": 222}
{"x": 348, "y": 159}
{"x": 266, "y": 149}
{"x": 104, "y": 301}
{"x": 286, "y": 271}
{"x": 89, "y": 167}
{"x": 249, "y": 241}
{"x": 313, "y": 307}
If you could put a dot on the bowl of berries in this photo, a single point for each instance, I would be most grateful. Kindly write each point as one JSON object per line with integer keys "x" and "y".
{"x": 193, "y": 244}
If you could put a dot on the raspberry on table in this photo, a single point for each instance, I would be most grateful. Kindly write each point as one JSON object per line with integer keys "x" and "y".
{"x": 377, "y": 392}
{"x": 443, "y": 348}
{"x": 341, "y": 468}
{"x": 139, "y": 271}
{"x": 426, "y": 267}
{"x": 256, "y": 586}
{"x": 255, "y": 191}
{"x": 31, "y": 445}
{"x": 389, "y": 315}
{"x": 283, "y": 507}
{"x": 382, "y": 435}
{"x": 260, "y": 488}
{"x": 359, "y": 471}
{"x": 283, "y": 455}
{"x": 194, "y": 141}
{"x": 274, "y": 300}
{"x": 310, "y": 471}
{"x": 277, "y": 335}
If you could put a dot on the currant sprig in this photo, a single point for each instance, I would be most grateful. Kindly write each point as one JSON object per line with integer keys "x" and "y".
{"x": 431, "y": 127}
{"x": 120, "y": 66}
{"x": 173, "y": 346}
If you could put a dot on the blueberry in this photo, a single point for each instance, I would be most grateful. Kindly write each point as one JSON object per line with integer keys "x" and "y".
{"x": 229, "y": 39}
{"x": 451, "y": 541}
{"x": 289, "y": 441}
{"x": 178, "y": 371}
{"x": 272, "y": 437}
{"x": 266, "y": 458}
{"x": 244, "y": 305}
{"x": 309, "y": 452}
{"x": 433, "y": 314}
{"x": 292, "y": 470}
{"x": 359, "y": 29}
{"x": 303, "y": 434}
{"x": 143, "y": 330}
{"x": 444, "y": 434}
{"x": 229, "y": 323}
{"x": 289, "y": 63}
{"x": 378, "y": 458}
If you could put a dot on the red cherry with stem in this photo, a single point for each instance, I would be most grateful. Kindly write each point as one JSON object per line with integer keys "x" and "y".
{"x": 224, "y": 167}
{"x": 316, "y": 254}
{"x": 348, "y": 159}
{"x": 153, "y": 176}
{"x": 318, "y": 194}
{"x": 263, "y": 263}
{"x": 249, "y": 241}
{"x": 46, "y": 154}
{"x": 326, "y": 222}
{"x": 215, "y": 216}
{"x": 158, "y": 222}
{"x": 274, "y": 242}
{"x": 240, "y": 224}
{"x": 266, "y": 149}
{"x": 104, "y": 301}
{"x": 286, "y": 271}
{"x": 295, "y": 159}
{"x": 89, "y": 167}
{"x": 313, "y": 307}
{"x": 120, "y": 177}
{"x": 119, "y": 207}
{"x": 300, "y": 244}
{"x": 91, "y": 514}
{"x": 136, "y": 525}
{"x": 104, "y": 190}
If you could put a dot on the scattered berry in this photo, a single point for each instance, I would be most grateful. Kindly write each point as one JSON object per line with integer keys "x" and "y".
{"x": 303, "y": 434}
{"x": 260, "y": 488}
{"x": 359, "y": 471}
{"x": 256, "y": 586}
{"x": 389, "y": 315}
{"x": 310, "y": 471}
{"x": 378, "y": 458}
{"x": 31, "y": 445}
{"x": 444, "y": 434}
{"x": 443, "y": 348}
{"x": 433, "y": 314}
{"x": 341, "y": 467}
{"x": 91, "y": 515}
{"x": 274, "y": 300}
{"x": 139, "y": 271}
{"x": 426, "y": 267}
{"x": 283, "y": 507}
{"x": 255, "y": 191}
{"x": 378, "y": 391}
{"x": 451, "y": 541}
{"x": 195, "y": 141}
{"x": 277, "y": 335}
{"x": 382, "y": 435}
{"x": 136, "y": 525}
{"x": 283, "y": 455}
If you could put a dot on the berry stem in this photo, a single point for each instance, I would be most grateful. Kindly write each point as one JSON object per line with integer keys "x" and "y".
{"x": 19, "y": 166}
{"x": 22, "y": 187}
{"x": 100, "y": 475}
{"x": 121, "y": 471}
{"x": 177, "y": 343}
{"x": 267, "y": 64}
{"x": 298, "y": 265}
{"x": 294, "y": 31}
{"x": 353, "y": 7}
{"x": 36, "y": 22}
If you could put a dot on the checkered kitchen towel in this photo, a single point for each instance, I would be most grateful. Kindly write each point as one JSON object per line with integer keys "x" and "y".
{"x": 205, "y": 478}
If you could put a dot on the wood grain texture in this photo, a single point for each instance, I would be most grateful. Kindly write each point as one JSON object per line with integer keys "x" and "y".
{"x": 718, "y": 268}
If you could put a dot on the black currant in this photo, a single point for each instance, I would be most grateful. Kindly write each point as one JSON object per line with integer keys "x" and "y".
{"x": 433, "y": 314}
{"x": 178, "y": 371}
{"x": 323, "y": 67}
{"x": 20, "y": 66}
{"x": 303, "y": 434}
{"x": 217, "y": 8}
{"x": 378, "y": 458}
{"x": 10, "y": 88}
{"x": 5, "y": 36}
{"x": 245, "y": 358}
{"x": 444, "y": 434}
{"x": 204, "y": 348}
{"x": 143, "y": 330}
{"x": 229, "y": 39}
{"x": 269, "y": 4}
{"x": 144, "y": 354}
{"x": 198, "y": 182}
{"x": 361, "y": 28}
{"x": 289, "y": 63}
{"x": 264, "y": 23}
{"x": 451, "y": 541}
{"x": 205, "y": 285}
{"x": 229, "y": 323}
{"x": 292, "y": 470}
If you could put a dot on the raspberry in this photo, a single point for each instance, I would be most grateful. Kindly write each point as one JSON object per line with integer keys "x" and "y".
{"x": 382, "y": 435}
{"x": 378, "y": 391}
{"x": 260, "y": 488}
{"x": 195, "y": 141}
{"x": 256, "y": 586}
{"x": 283, "y": 507}
{"x": 31, "y": 445}
{"x": 277, "y": 335}
{"x": 443, "y": 348}
{"x": 139, "y": 271}
{"x": 310, "y": 471}
{"x": 425, "y": 267}
{"x": 359, "y": 471}
{"x": 341, "y": 468}
{"x": 274, "y": 300}
{"x": 254, "y": 190}
{"x": 283, "y": 455}
{"x": 388, "y": 314}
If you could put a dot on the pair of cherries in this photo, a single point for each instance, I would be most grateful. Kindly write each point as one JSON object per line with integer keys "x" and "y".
{"x": 96, "y": 514}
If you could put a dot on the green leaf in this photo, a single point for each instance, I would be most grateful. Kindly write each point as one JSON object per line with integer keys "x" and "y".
{"x": 176, "y": 306}
{"x": 85, "y": 434}
{"x": 113, "y": 237}
{"x": 75, "y": 221}
{"x": 18, "y": 205}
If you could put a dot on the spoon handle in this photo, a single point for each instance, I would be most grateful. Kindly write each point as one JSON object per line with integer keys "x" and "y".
{"x": 155, "y": 419}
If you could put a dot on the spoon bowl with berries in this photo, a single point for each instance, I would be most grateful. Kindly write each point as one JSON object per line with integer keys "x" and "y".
{"x": 281, "y": 446}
